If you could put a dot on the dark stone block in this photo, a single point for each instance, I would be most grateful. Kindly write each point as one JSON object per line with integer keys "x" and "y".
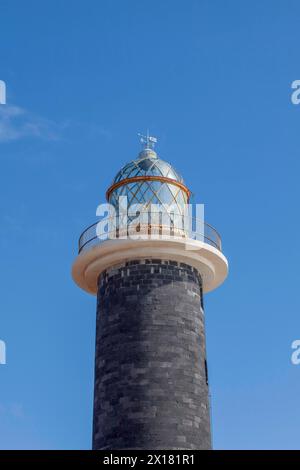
{"x": 150, "y": 375}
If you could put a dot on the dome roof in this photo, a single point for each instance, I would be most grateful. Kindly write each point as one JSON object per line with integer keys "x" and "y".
{"x": 147, "y": 164}
{"x": 148, "y": 181}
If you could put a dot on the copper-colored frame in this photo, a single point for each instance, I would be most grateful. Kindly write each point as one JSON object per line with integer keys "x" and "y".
{"x": 163, "y": 179}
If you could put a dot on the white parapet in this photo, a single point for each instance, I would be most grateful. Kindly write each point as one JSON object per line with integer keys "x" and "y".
{"x": 208, "y": 260}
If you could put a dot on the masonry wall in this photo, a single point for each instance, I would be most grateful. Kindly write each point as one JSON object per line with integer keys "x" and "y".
{"x": 150, "y": 374}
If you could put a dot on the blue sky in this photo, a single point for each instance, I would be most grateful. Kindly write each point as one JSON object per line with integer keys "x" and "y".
{"x": 212, "y": 80}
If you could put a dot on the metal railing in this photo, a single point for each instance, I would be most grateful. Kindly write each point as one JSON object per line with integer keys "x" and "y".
{"x": 149, "y": 225}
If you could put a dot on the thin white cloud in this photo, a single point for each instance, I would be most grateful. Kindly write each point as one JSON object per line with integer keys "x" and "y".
{"x": 17, "y": 123}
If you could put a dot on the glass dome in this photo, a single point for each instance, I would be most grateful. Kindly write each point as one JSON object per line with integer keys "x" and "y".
{"x": 149, "y": 180}
{"x": 147, "y": 164}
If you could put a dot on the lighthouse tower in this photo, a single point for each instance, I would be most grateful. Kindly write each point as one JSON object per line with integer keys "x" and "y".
{"x": 149, "y": 264}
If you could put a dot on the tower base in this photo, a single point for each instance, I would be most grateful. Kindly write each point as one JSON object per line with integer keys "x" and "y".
{"x": 151, "y": 387}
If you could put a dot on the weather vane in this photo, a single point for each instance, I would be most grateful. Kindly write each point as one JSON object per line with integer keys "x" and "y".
{"x": 148, "y": 141}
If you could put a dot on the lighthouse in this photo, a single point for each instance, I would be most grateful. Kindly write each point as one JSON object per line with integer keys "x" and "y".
{"x": 150, "y": 262}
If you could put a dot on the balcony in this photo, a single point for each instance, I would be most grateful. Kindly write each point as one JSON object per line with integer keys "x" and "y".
{"x": 149, "y": 226}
